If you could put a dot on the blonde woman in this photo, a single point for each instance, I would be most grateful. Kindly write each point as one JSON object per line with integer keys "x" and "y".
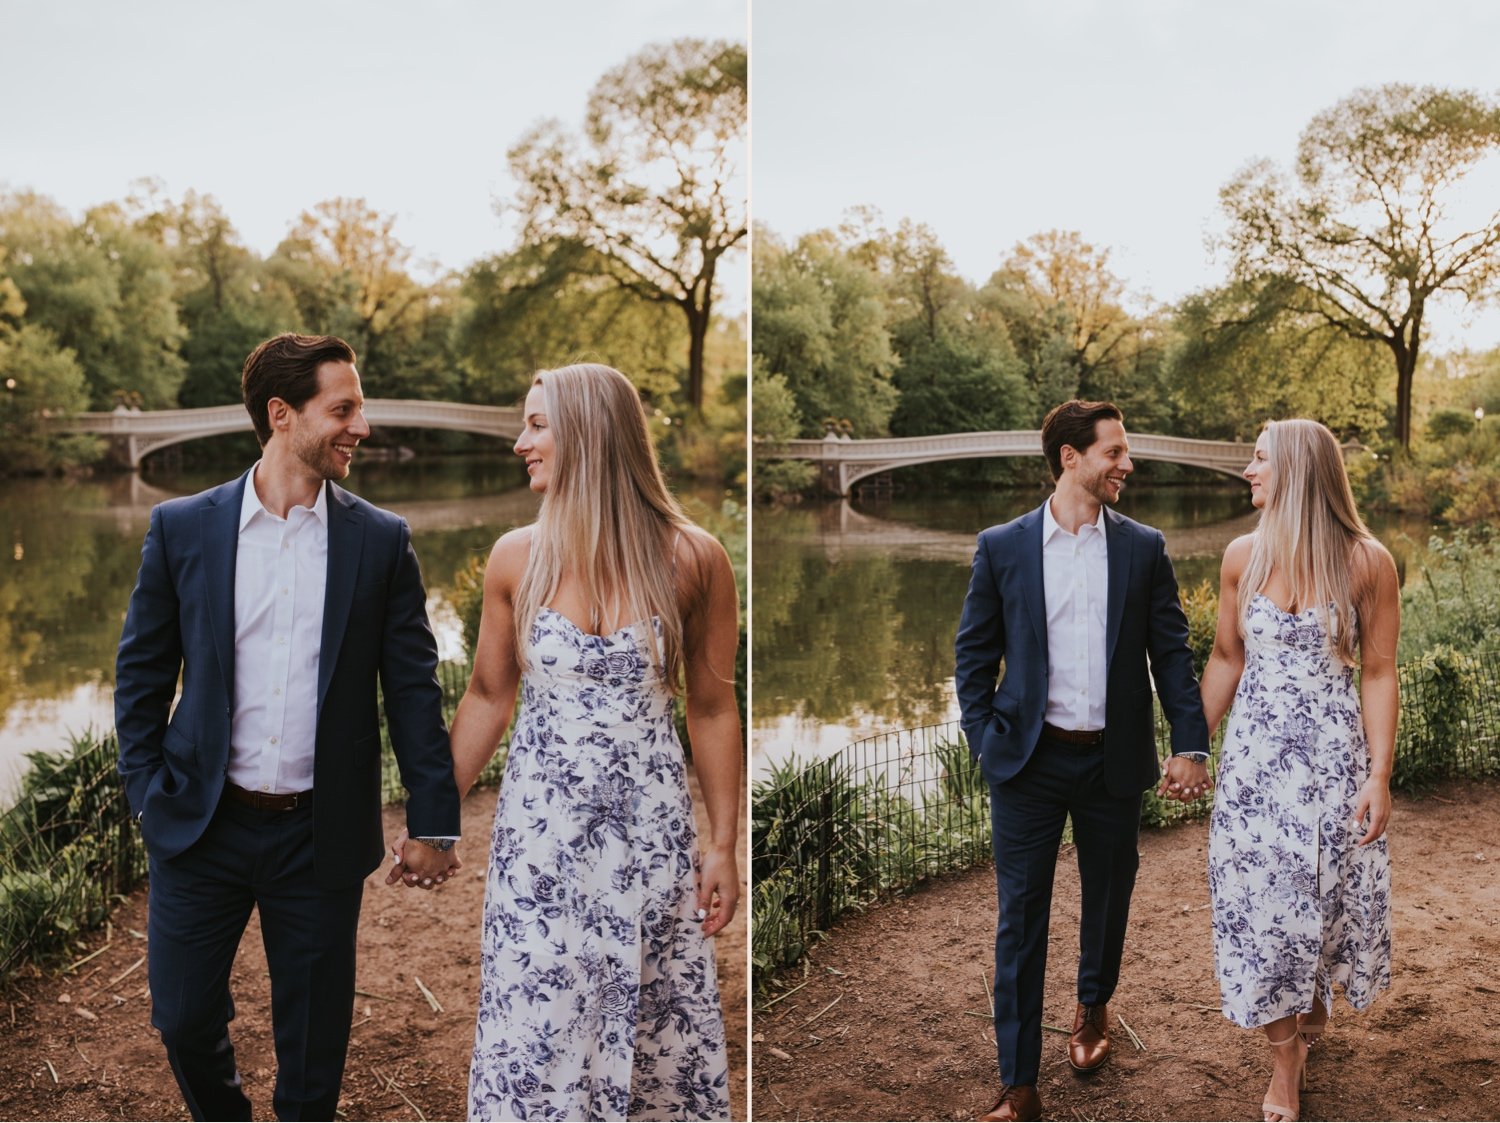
{"x": 598, "y": 997}
{"x": 1298, "y": 868}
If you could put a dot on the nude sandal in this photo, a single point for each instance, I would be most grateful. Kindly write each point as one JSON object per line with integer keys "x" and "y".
{"x": 1287, "y": 1114}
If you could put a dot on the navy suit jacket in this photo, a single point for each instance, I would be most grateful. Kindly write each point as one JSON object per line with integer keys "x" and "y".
{"x": 1005, "y": 618}
{"x": 181, "y": 619}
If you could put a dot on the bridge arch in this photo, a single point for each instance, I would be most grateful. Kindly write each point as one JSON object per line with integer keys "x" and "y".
{"x": 843, "y": 463}
{"x": 142, "y": 432}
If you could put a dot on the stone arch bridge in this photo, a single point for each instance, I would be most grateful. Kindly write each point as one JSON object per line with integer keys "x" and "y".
{"x": 843, "y": 463}
{"x": 138, "y": 433}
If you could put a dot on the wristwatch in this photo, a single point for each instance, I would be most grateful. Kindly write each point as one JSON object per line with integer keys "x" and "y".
{"x": 1195, "y": 757}
{"x": 442, "y": 844}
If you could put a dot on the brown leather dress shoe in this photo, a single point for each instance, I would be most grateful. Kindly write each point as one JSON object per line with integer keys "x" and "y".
{"x": 1016, "y": 1102}
{"x": 1088, "y": 1048}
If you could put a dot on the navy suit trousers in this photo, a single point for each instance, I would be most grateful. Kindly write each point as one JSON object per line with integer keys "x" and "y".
{"x": 1028, "y": 813}
{"x": 200, "y": 902}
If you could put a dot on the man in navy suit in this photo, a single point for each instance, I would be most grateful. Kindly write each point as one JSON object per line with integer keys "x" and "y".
{"x": 1073, "y": 599}
{"x": 280, "y": 599}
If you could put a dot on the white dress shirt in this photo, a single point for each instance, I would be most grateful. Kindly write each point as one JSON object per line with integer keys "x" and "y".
{"x": 1075, "y": 579}
{"x": 280, "y": 575}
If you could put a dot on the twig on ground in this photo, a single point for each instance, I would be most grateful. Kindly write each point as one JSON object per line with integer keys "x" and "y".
{"x": 437, "y": 1007}
{"x": 52, "y": 1070}
{"x": 1057, "y": 1029}
{"x": 127, "y": 972}
{"x": 788, "y": 994}
{"x": 78, "y": 1049}
{"x": 1139, "y": 1047}
{"x": 979, "y": 1014}
{"x": 390, "y": 1082}
{"x": 988, "y": 993}
{"x": 68, "y": 970}
{"x": 378, "y": 997}
{"x": 825, "y": 1010}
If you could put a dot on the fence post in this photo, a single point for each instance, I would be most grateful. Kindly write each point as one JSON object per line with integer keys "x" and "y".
{"x": 825, "y": 858}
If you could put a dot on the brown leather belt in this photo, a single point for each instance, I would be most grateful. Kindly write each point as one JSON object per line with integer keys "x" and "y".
{"x": 1072, "y": 736}
{"x": 265, "y": 801}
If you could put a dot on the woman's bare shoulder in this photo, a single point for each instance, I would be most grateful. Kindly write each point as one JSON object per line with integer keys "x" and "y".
{"x": 1373, "y": 563}
{"x": 1237, "y": 556}
{"x": 509, "y": 555}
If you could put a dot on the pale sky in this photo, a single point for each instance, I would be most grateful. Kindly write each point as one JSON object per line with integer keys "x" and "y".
{"x": 276, "y": 105}
{"x": 992, "y": 120}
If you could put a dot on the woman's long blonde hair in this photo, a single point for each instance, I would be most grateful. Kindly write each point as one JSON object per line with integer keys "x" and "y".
{"x": 607, "y": 518}
{"x": 1309, "y": 531}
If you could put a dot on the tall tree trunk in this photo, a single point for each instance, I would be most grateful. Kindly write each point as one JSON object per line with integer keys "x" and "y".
{"x": 1406, "y": 367}
{"x": 697, "y": 335}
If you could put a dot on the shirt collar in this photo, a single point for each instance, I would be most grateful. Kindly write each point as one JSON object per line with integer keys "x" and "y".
{"x": 1050, "y": 526}
{"x": 250, "y": 505}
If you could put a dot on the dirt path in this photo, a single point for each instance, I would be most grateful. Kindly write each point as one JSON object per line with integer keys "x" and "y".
{"x": 406, "y": 1060}
{"x": 894, "y": 1020}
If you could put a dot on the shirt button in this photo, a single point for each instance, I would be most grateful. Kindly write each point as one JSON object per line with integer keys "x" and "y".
{"x": 273, "y": 740}
{"x": 276, "y": 690}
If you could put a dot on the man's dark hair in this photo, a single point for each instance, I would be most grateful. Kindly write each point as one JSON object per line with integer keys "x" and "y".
{"x": 286, "y": 367}
{"x": 1073, "y": 423}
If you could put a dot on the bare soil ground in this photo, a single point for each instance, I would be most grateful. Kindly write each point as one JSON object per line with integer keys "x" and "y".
{"x": 894, "y": 1023}
{"x": 80, "y": 1045}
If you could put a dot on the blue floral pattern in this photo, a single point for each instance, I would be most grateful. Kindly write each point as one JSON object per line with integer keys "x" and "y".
{"x": 598, "y": 997}
{"x": 1297, "y": 906}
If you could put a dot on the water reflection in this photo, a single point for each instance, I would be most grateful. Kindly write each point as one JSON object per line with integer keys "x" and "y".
{"x": 69, "y": 551}
{"x": 856, "y": 605}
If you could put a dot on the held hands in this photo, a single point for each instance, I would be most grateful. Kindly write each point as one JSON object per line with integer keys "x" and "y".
{"x": 718, "y": 888}
{"x": 1375, "y": 804}
{"x": 420, "y": 866}
{"x": 1184, "y": 780}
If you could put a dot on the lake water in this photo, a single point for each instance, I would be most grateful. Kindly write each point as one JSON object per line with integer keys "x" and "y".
{"x": 69, "y": 551}
{"x": 856, "y": 606}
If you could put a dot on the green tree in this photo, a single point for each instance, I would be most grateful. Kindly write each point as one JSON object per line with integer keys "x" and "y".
{"x": 1362, "y": 229}
{"x": 38, "y": 379}
{"x": 652, "y": 187}
{"x": 820, "y": 325}
{"x": 104, "y": 290}
{"x": 1241, "y": 357}
{"x": 775, "y": 420}
{"x": 957, "y": 369}
{"x": 541, "y": 307}
{"x": 348, "y": 274}
{"x": 1065, "y": 311}
{"x": 227, "y": 299}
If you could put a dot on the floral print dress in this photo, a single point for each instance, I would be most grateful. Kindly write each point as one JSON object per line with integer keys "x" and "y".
{"x": 598, "y": 997}
{"x": 1297, "y": 906}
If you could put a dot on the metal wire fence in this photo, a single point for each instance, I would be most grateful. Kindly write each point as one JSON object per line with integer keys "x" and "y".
{"x": 888, "y": 811}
